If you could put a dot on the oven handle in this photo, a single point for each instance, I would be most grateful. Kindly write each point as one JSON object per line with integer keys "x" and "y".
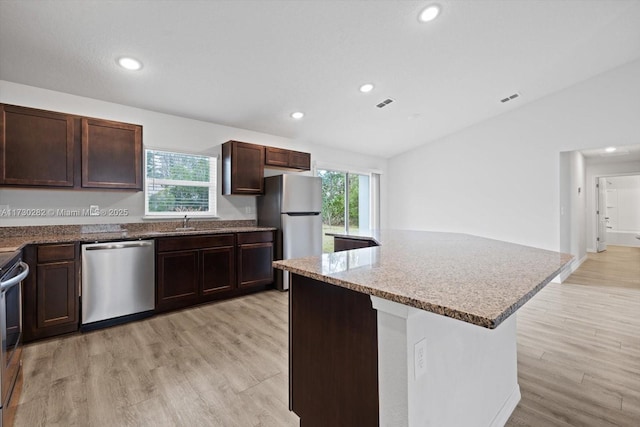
{"x": 6, "y": 285}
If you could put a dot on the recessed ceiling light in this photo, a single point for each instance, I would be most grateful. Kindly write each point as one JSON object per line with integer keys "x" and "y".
{"x": 130, "y": 64}
{"x": 297, "y": 115}
{"x": 610, "y": 149}
{"x": 367, "y": 87}
{"x": 429, "y": 13}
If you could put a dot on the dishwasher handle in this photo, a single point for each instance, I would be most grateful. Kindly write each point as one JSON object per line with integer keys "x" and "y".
{"x": 118, "y": 246}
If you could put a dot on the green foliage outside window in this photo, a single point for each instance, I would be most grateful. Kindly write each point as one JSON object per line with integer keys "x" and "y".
{"x": 179, "y": 182}
{"x": 333, "y": 197}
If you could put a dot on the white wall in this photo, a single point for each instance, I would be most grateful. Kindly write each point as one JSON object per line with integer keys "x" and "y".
{"x": 500, "y": 178}
{"x": 593, "y": 171}
{"x": 159, "y": 131}
{"x": 573, "y": 206}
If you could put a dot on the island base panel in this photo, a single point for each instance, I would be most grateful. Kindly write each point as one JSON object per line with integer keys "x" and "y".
{"x": 437, "y": 371}
{"x": 333, "y": 355}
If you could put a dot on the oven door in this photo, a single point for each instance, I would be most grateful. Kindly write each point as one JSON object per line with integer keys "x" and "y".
{"x": 11, "y": 328}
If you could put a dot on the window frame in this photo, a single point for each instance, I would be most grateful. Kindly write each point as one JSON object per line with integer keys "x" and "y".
{"x": 212, "y": 185}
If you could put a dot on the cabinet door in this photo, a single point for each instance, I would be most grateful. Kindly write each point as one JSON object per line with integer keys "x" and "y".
{"x": 255, "y": 264}
{"x": 177, "y": 279}
{"x": 242, "y": 168}
{"x": 111, "y": 155}
{"x": 276, "y": 157}
{"x": 299, "y": 160}
{"x": 57, "y": 297}
{"x": 217, "y": 266}
{"x": 36, "y": 147}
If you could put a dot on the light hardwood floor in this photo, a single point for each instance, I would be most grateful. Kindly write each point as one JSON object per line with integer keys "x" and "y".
{"x": 618, "y": 266}
{"x": 225, "y": 364}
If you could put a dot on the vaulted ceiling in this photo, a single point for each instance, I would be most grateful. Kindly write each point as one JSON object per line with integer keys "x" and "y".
{"x": 250, "y": 64}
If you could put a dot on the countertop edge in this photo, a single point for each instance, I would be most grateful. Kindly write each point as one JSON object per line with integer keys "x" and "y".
{"x": 486, "y": 322}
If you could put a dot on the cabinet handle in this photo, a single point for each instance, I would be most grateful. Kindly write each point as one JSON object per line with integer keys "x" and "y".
{"x": 118, "y": 246}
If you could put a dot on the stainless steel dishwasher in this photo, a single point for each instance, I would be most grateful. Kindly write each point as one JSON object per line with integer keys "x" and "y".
{"x": 118, "y": 282}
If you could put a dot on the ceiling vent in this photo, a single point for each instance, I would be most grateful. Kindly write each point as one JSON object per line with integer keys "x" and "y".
{"x": 385, "y": 103}
{"x": 510, "y": 97}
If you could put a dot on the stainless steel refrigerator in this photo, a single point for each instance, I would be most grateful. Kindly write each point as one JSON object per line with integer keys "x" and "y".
{"x": 292, "y": 204}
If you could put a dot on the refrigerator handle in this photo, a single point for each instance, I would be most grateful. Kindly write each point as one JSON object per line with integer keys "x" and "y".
{"x": 301, "y": 213}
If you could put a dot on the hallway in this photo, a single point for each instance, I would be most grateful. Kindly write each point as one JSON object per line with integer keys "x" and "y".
{"x": 618, "y": 266}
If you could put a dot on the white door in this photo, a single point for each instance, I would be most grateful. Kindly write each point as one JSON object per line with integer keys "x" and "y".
{"x": 602, "y": 215}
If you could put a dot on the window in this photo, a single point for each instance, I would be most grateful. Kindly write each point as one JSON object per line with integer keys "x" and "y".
{"x": 349, "y": 203}
{"x": 178, "y": 184}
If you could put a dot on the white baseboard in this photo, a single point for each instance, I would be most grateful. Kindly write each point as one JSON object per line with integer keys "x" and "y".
{"x": 574, "y": 266}
{"x": 507, "y": 409}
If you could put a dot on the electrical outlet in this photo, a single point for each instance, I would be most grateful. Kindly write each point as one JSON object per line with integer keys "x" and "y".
{"x": 420, "y": 358}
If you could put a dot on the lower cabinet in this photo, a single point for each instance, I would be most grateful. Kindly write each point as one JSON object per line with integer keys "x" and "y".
{"x": 217, "y": 270}
{"x": 255, "y": 257}
{"x": 190, "y": 269}
{"x": 195, "y": 269}
{"x": 51, "y": 293}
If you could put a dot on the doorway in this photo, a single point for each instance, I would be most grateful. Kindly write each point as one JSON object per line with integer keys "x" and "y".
{"x": 580, "y": 204}
{"x": 618, "y": 211}
{"x": 346, "y": 203}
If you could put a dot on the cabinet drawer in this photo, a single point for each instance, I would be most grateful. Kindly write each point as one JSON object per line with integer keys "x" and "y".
{"x": 196, "y": 242}
{"x": 54, "y": 253}
{"x": 255, "y": 237}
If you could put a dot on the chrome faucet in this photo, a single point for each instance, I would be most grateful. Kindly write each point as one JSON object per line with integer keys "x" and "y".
{"x": 185, "y": 222}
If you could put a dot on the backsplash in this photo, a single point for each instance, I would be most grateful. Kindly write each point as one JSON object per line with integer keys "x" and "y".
{"x": 134, "y": 227}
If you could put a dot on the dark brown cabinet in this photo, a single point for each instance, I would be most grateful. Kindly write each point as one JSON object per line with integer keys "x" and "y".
{"x": 218, "y": 270}
{"x": 255, "y": 257}
{"x": 50, "y": 149}
{"x": 111, "y": 155}
{"x": 51, "y": 292}
{"x": 192, "y": 269}
{"x": 36, "y": 147}
{"x": 196, "y": 269}
{"x": 243, "y": 165}
{"x": 344, "y": 244}
{"x": 177, "y": 281}
{"x": 281, "y": 158}
{"x": 242, "y": 168}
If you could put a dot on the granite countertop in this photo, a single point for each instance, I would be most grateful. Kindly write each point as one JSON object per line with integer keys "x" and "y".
{"x": 18, "y": 242}
{"x": 473, "y": 279}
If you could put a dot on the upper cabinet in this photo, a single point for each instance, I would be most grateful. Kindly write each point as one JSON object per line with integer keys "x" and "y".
{"x": 111, "y": 155}
{"x": 36, "y": 147}
{"x": 243, "y": 165}
{"x": 242, "y": 168}
{"x": 49, "y": 149}
{"x": 281, "y": 158}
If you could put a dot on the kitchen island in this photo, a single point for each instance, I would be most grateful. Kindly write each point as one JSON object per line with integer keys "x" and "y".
{"x": 419, "y": 331}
